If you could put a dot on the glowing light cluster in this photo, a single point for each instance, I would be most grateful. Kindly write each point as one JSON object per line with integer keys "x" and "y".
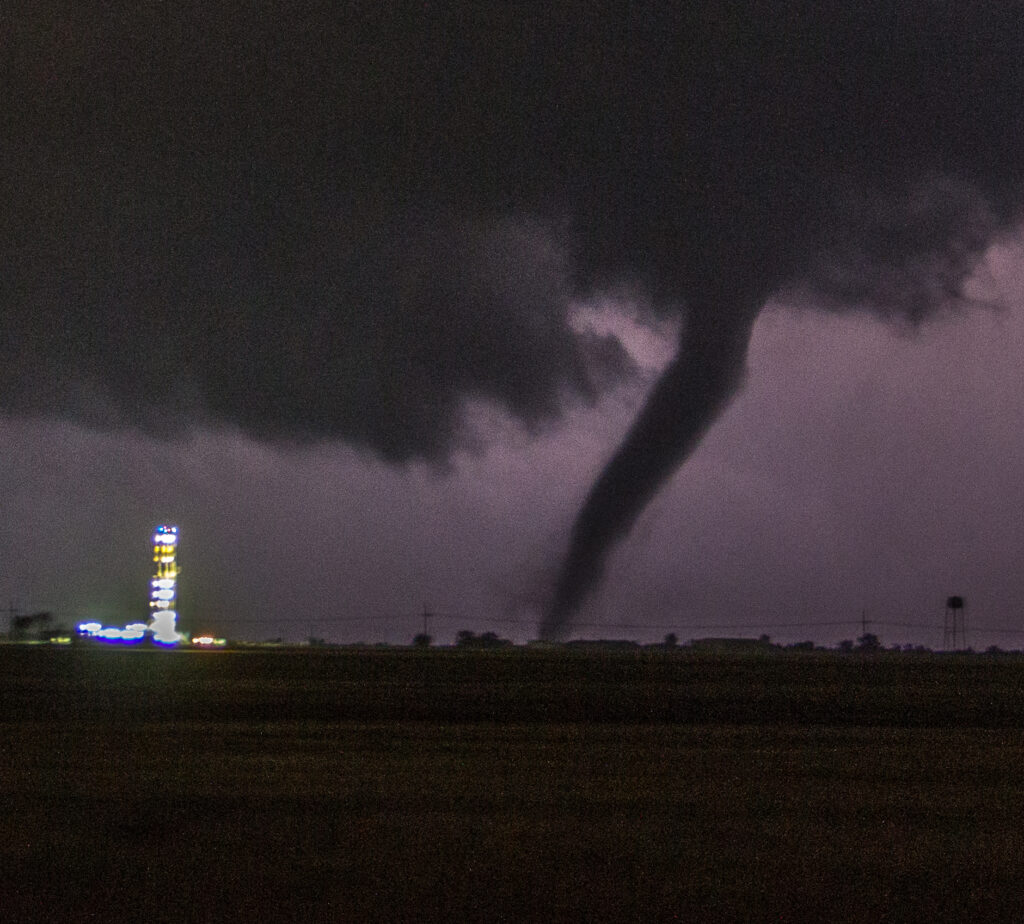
{"x": 162, "y": 595}
{"x": 164, "y": 587}
{"x": 134, "y": 632}
{"x": 208, "y": 641}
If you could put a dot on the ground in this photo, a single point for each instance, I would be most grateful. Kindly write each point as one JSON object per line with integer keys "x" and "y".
{"x": 401, "y": 785}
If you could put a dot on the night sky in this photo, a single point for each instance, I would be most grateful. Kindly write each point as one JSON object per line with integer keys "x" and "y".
{"x": 571, "y": 321}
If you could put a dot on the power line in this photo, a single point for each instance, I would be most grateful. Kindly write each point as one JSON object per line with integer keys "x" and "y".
{"x": 389, "y": 619}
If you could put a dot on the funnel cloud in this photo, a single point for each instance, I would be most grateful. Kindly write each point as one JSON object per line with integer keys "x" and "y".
{"x": 312, "y": 225}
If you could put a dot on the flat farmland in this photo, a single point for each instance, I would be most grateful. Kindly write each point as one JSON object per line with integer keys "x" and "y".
{"x": 548, "y": 785}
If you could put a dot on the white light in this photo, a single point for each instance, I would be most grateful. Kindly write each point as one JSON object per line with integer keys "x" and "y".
{"x": 130, "y": 633}
{"x": 163, "y": 628}
{"x": 164, "y": 594}
{"x": 163, "y": 582}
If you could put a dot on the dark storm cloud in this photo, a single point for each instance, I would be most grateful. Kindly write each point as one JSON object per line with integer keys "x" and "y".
{"x": 312, "y": 224}
{"x": 256, "y": 223}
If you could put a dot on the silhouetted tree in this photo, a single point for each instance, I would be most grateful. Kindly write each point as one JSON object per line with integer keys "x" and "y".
{"x": 671, "y": 640}
{"x": 869, "y": 642}
{"x": 21, "y": 626}
{"x": 846, "y": 645}
{"x": 422, "y": 640}
{"x": 465, "y": 638}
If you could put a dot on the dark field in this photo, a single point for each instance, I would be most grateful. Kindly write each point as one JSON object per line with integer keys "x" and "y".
{"x": 347, "y": 785}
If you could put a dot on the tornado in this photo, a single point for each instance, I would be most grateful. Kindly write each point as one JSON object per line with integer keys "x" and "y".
{"x": 694, "y": 389}
{"x": 425, "y": 195}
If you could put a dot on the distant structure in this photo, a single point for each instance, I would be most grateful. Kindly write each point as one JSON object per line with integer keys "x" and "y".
{"x": 954, "y": 628}
{"x": 163, "y": 593}
{"x": 735, "y": 645}
{"x": 163, "y": 596}
{"x": 22, "y": 626}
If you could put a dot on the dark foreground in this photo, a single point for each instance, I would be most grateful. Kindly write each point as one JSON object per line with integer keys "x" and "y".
{"x": 421, "y": 786}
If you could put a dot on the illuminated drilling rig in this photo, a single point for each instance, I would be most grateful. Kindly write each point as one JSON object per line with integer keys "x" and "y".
{"x": 164, "y": 586}
{"x": 163, "y": 595}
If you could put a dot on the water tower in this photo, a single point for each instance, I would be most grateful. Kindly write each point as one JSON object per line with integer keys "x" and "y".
{"x": 954, "y": 627}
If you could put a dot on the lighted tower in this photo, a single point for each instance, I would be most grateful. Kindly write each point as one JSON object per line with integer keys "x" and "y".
{"x": 164, "y": 586}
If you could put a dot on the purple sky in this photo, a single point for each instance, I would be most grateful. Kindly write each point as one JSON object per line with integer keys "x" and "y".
{"x": 399, "y": 306}
{"x": 859, "y": 470}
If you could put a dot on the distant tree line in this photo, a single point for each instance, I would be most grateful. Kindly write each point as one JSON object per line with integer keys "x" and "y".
{"x": 868, "y": 643}
{"x": 468, "y": 639}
